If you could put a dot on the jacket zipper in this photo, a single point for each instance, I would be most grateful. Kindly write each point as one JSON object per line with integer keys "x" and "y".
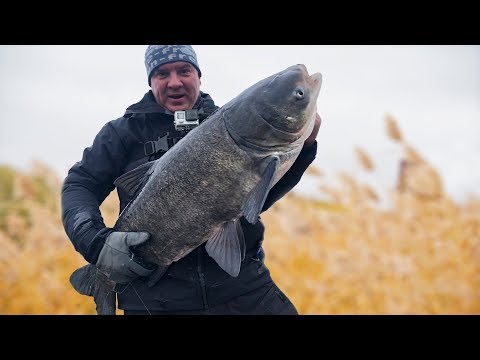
{"x": 201, "y": 278}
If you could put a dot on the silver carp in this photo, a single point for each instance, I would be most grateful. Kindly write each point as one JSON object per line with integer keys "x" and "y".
{"x": 222, "y": 170}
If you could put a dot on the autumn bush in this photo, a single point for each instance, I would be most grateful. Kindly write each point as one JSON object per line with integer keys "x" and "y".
{"x": 343, "y": 254}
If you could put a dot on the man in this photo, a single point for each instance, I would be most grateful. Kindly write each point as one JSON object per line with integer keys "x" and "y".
{"x": 194, "y": 284}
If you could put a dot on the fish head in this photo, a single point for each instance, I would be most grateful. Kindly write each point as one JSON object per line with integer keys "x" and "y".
{"x": 278, "y": 110}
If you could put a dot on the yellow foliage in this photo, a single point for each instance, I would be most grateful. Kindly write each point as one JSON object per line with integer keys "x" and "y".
{"x": 344, "y": 256}
{"x": 364, "y": 160}
{"x": 392, "y": 129}
{"x": 36, "y": 257}
{"x": 420, "y": 257}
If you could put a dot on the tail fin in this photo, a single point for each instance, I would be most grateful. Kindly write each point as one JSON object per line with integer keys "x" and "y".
{"x": 88, "y": 280}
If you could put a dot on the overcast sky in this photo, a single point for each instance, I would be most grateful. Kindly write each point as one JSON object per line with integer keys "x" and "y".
{"x": 54, "y": 99}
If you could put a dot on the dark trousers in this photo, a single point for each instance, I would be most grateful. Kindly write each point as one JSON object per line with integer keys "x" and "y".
{"x": 266, "y": 300}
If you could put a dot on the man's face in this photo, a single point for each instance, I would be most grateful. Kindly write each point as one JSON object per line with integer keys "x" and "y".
{"x": 176, "y": 85}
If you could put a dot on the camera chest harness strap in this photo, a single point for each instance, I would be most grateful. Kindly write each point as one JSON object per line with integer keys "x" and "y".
{"x": 184, "y": 121}
{"x": 163, "y": 143}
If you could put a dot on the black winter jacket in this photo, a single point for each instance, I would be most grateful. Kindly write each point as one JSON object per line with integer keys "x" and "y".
{"x": 195, "y": 281}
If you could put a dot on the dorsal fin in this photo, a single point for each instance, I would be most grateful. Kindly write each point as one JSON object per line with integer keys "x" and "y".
{"x": 135, "y": 179}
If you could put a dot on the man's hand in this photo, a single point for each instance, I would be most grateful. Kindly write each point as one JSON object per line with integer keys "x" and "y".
{"x": 116, "y": 259}
{"x": 311, "y": 139}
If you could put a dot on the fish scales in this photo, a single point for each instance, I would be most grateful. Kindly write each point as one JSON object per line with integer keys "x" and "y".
{"x": 200, "y": 202}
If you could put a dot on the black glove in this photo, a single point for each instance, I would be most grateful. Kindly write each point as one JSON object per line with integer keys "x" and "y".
{"x": 116, "y": 259}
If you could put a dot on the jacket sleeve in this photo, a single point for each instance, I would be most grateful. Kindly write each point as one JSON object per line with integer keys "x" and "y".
{"x": 292, "y": 176}
{"x": 86, "y": 186}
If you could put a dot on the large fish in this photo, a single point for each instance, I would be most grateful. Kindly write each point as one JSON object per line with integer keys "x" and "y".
{"x": 220, "y": 171}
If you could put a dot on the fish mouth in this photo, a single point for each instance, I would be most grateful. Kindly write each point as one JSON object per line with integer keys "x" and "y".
{"x": 314, "y": 80}
{"x": 311, "y": 79}
{"x": 316, "y": 77}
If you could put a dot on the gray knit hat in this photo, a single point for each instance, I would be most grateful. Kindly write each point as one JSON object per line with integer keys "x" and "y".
{"x": 157, "y": 55}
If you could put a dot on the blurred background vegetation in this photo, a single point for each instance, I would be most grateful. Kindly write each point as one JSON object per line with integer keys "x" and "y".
{"x": 342, "y": 255}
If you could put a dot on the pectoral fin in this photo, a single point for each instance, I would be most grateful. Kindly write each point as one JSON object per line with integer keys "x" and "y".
{"x": 134, "y": 180}
{"x": 255, "y": 200}
{"x": 227, "y": 247}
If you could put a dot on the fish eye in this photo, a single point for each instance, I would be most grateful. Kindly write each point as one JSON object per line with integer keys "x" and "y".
{"x": 299, "y": 93}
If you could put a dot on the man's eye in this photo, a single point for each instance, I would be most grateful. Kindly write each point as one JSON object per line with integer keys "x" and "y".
{"x": 161, "y": 74}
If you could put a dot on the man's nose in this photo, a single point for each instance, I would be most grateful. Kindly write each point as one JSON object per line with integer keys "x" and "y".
{"x": 174, "y": 80}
